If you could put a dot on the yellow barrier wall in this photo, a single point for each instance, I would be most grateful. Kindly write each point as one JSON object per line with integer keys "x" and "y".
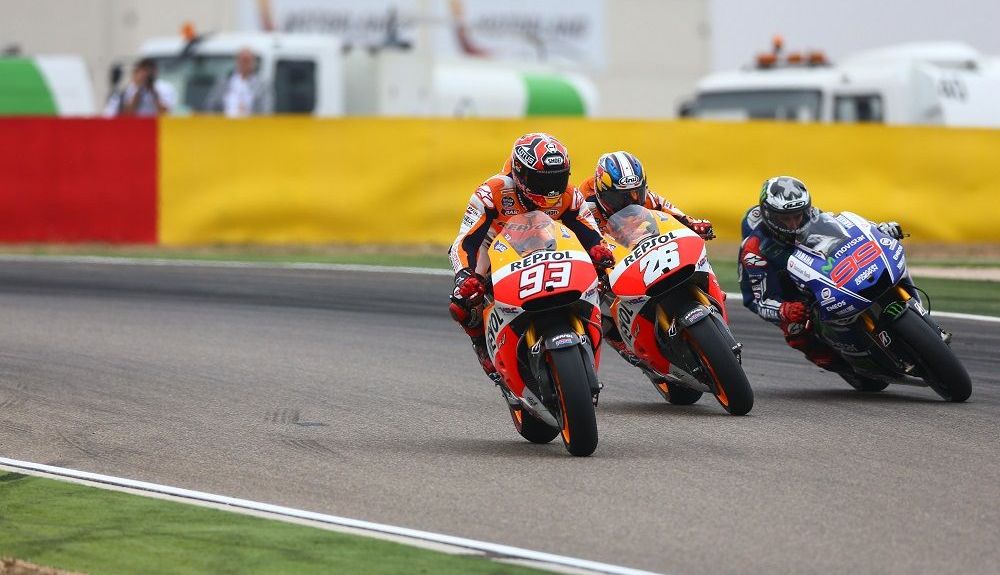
{"x": 305, "y": 180}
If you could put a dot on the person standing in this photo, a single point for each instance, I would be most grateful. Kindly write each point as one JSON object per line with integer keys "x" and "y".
{"x": 144, "y": 95}
{"x": 244, "y": 92}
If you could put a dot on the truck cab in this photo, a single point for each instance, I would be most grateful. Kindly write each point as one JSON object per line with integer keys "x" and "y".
{"x": 303, "y": 70}
{"x": 929, "y": 83}
{"x": 318, "y": 74}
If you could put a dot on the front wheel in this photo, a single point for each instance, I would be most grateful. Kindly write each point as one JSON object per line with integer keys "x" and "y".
{"x": 938, "y": 365}
{"x": 725, "y": 374}
{"x": 576, "y": 405}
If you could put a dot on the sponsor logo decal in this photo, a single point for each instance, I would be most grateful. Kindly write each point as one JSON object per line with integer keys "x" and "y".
{"x": 507, "y": 202}
{"x": 694, "y": 315}
{"x": 524, "y": 154}
{"x": 806, "y": 259}
{"x": 469, "y": 221}
{"x": 561, "y": 339}
{"x": 495, "y": 323}
{"x": 894, "y": 309}
{"x": 869, "y": 272}
{"x": 510, "y": 211}
{"x": 883, "y": 336}
{"x": 553, "y": 161}
{"x": 752, "y": 260}
{"x": 539, "y": 257}
{"x": 846, "y": 247}
{"x": 565, "y": 232}
{"x": 827, "y": 266}
{"x": 647, "y": 245}
{"x": 500, "y": 247}
{"x": 629, "y": 181}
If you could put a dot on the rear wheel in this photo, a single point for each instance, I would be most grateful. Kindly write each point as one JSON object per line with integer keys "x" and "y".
{"x": 724, "y": 371}
{"x": 530, "y": 427}
{"x": 576, "y": 405}
{"x": 938, "y": 365}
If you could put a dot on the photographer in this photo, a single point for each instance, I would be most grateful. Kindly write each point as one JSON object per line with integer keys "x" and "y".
{"x": 144, "y": 95}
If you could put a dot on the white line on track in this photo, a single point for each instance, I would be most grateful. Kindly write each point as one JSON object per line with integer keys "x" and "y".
{"x": 131, "y": 261}
{"x": 445, "y": 543}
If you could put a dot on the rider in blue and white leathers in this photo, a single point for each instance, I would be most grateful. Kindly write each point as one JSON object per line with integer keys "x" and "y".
{"x": 769, "y": 232}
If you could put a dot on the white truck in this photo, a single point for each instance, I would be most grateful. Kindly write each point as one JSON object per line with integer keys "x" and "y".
{"x": 941, "y": 83}
{"x": 317, "y": 74}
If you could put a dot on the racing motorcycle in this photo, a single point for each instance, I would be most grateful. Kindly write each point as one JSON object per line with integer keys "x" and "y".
{"x": 664, "y": 311}
{"x": 543, "y": 330}
{"x": 863, "y": 305}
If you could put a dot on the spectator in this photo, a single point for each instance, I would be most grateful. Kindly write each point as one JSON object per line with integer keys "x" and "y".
{"x": 243, "y": 93}
{"x": 144, "y": 95}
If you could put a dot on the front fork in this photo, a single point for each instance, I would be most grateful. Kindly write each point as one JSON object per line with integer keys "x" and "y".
{"x": 676, "y": 349}
{"x": 559, "y": 337}
{"x": 876, "y": 324}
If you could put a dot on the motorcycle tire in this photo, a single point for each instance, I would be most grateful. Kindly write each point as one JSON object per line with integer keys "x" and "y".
{"x": 576, "y": 405}
{"x": 530, "y": 427}
{"x": 724, "y": 370}
{"x": 941, "y": 369}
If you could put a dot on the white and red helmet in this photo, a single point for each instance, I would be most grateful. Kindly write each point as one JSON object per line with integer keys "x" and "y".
{"x": 540, "y": 169}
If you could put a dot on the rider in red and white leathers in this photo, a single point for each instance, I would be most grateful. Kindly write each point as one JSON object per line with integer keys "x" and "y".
{"x": 620, "y": 181}
{"x": 535, "y": 177}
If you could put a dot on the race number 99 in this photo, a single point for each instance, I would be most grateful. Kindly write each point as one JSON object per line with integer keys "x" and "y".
{"x": 550, "y": 275}
{"x": 659, "y": 261}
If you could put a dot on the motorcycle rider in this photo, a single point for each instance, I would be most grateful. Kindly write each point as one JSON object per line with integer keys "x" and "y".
{"x": 619, "y": 181}
{"x": 785, "y": 209}
{"x": 534, "y": 177}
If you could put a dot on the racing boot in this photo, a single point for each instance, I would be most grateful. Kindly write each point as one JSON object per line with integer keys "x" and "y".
{"x": 619, "y": 346}
{"x": 479, "y": 344}
{"x": 671, "y": 391}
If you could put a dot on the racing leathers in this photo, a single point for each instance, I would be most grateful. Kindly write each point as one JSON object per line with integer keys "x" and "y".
{"x": 653, "y": 202}
{"x": 490, "y": 206}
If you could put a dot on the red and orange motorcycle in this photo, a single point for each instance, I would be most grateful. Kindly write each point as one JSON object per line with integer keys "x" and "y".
{"x": 543, "y": 331}
{"x": 671, "y": 312}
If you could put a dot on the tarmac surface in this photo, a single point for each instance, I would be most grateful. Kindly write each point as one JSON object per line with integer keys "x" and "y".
{"x": 354, "y": 394}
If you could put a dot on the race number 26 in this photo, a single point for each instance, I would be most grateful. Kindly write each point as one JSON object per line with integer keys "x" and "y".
{"x": 659, "y": 261}
{"x": 544, "y": 276}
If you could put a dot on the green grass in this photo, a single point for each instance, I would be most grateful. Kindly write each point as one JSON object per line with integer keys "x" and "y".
{"x": 70, "y": 526}
{"x": 964, "y": 296}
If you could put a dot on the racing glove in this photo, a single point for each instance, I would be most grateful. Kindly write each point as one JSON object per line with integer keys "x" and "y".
{"x": 602, "y": 257}
{"x": 469, "y": 289}
{"x": 793, "y": 312}
{"x": 891, "y": 229}
{"x": 702, "y": 227}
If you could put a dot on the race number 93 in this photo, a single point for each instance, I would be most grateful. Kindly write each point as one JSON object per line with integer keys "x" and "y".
{"x": 659, "y": 261}
{"x": 549, "y": 275}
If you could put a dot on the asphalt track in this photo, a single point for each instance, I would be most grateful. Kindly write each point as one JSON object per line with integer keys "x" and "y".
{"x": 352, "y": 393}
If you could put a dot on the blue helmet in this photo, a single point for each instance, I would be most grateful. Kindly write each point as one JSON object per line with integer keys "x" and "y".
{"x": 619, "y": 181}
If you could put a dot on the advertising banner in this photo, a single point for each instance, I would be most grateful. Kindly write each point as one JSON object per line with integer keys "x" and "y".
{"x": 513, "y": 30}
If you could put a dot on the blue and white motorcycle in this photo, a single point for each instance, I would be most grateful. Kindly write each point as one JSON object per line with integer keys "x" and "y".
{"x": 865, "y": 307}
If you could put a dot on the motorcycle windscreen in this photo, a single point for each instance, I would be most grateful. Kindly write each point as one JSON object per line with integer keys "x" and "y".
{"x": 632, "y": 224}
{"x": 530, "y": 232}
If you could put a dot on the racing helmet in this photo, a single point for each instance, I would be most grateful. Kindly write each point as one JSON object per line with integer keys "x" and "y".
{"x": 785, "y": 207}
{"x": 539, "y": 166}
{"x": 619, "y": 181}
